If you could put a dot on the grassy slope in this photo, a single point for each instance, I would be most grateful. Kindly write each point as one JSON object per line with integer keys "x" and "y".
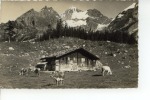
{"x": 29, "y": 53}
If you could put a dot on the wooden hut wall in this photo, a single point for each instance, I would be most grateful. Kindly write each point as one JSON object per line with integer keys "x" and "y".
{"x": 74, "y": 62}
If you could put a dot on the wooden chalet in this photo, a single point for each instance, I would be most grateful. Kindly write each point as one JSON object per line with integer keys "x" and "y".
{"x": 72, "y": 59}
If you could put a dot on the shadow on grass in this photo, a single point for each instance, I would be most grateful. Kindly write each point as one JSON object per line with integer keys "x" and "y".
{"x": 46, "y": 85}
{"x": 97, "y": 75}
{"x": 33, "y": 76}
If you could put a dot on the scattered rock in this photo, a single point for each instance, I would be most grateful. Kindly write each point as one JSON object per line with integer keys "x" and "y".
{"x": 128, "y": 66}
{"x": 119, "y": 61}
{"x": 118, "y": 51}
{"x": 74, "y": 46}
{"x": 43, "y": 56}
{"x": 123, "y": 57}
{"x": 11, "y": 48}
{"x": 114, "y": 55}
{"x": 42, "y": 51}
{"x": 83, "y": 45}
{"x": 122, "y": 63}
{"x": 125, "y": 51}
{"x": 67, "y": 47}
{"x": 26, "y": 54}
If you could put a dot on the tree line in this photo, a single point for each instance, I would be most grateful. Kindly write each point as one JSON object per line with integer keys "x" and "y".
{"x": 65, "y": 31}
{"x": 106, "y": 35}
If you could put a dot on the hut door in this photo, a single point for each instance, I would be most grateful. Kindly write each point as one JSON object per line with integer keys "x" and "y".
{"x": 51, "y": 66}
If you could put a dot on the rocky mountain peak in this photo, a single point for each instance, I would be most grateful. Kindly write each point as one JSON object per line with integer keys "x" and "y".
{"x": 31, "y": 10}
{"x": 73, "y": 9}
{"x": 47, "y": 9}
{"x": 126, "y": 20}
{"x": 94, "y": 12}
{"x": 131, "y": 6}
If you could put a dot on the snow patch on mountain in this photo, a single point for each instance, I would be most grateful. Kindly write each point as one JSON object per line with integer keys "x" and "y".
{"x": 120, "y": 15}
{"x": 80, "y": 15}
{"x": 72, "y": 23}
{"x": 88, "y": 19}
{"x": 130, "y": 7}
{"x": 62, "y": 15}
{"x": 101, "y": 26}
{"x": 133, "y": 31}
{"x": 73, "y": 8}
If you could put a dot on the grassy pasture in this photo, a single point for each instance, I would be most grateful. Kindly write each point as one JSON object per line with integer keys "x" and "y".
{"x": 11, "y": 61}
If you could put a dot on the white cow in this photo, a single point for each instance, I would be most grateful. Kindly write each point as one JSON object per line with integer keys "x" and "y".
{"x": 106, "y": 69}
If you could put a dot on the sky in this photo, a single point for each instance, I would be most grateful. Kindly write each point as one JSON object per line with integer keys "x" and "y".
{"x": 10, "y": 10}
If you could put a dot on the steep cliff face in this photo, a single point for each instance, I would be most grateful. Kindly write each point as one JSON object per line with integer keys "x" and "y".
{"x": 32, "y": 24}
{"x": 41, "y": 19}
{"x": 28, "y": 18}
{"x": 127, "y": 20}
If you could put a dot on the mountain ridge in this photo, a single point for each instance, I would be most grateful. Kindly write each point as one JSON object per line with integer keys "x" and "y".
{"x": 34, "y": 24}
{"x": 88, "y": 19}
{"x": 127, "y": 20}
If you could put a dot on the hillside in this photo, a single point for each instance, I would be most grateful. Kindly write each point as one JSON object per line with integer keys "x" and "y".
{"x": 16, "y": 55}
{"x": 127, "y": 20}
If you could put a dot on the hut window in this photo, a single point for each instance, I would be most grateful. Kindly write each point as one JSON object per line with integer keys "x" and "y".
{"x": 82, "y": 59}
{"x": 68, "y": 58}
{"x": 74, "y": 59}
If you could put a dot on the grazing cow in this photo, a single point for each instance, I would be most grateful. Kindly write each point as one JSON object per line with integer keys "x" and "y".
{"x": 23, "y": 71}
{"x": 58, "y": 76}
{"x": 58, "y": 80}
{"x": 37, "y": 71}
{"x": 106, "y": 69}
{"x": 27, "y": 71}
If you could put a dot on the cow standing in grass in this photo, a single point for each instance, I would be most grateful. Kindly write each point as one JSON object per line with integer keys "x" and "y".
{"x": 106, "y": 69}
{"x": 103, "y": 69}
{"x": 23, "y": 71}
{"x": 58, "y": 76}
{"x": 27, "y": 71}
{"x": 37, "y": 71}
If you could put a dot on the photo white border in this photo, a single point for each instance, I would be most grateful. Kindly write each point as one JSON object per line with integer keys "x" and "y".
{"x": 142, "y": 92}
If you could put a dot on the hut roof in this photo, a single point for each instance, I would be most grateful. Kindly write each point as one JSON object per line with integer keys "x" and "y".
{"x": 63, "y": 53}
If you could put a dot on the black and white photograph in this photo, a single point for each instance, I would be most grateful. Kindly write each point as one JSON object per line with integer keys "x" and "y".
{"x": 69, "y": 44}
